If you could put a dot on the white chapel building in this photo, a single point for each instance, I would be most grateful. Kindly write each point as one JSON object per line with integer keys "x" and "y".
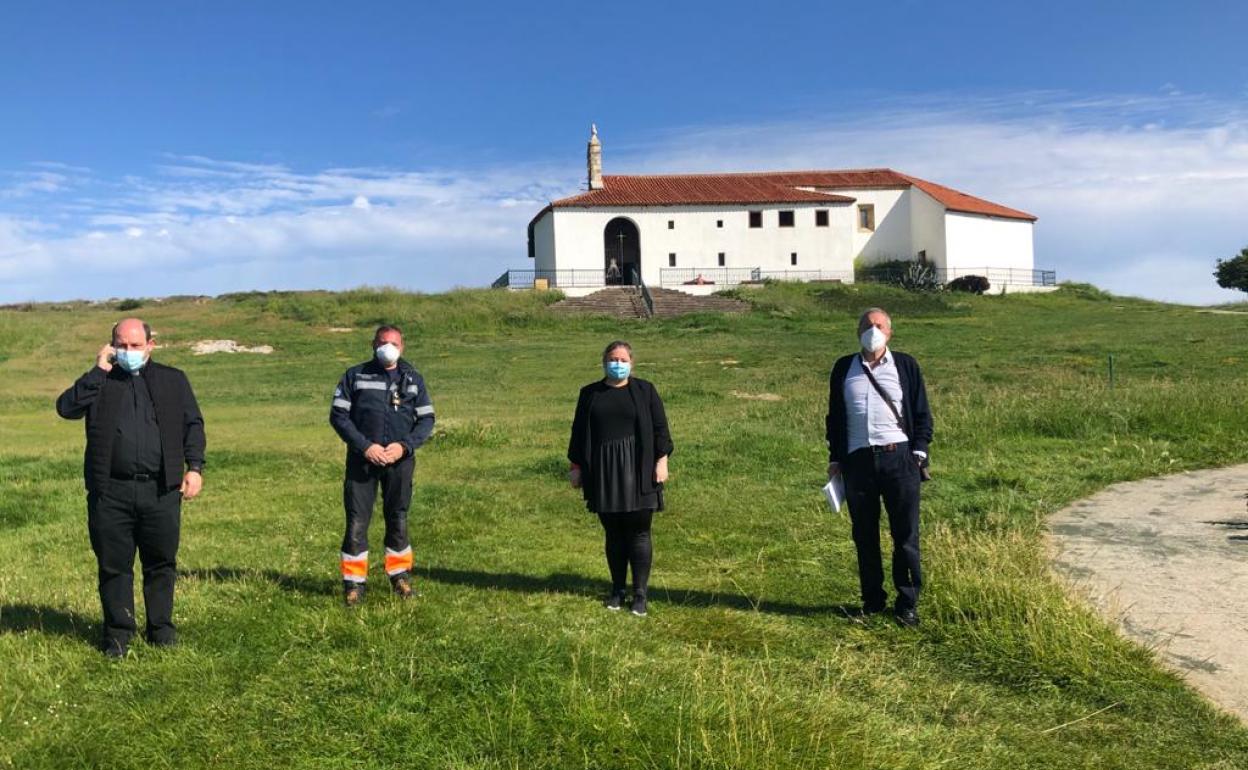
{"x": 704, "y": 232}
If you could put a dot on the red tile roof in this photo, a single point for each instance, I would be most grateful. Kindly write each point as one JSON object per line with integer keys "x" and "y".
{"x": 771, "y": 187}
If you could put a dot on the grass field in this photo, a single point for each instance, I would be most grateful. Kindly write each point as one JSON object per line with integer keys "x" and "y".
{"x": 507, "y": 659}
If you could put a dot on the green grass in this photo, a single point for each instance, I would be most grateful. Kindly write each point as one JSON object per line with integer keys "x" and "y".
{"x": 507, "y": 661}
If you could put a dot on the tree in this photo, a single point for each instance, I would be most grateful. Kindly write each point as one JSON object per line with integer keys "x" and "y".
{"x": 1233, "y": 273}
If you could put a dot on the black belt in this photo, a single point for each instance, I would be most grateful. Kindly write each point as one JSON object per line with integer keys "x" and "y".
{"x": 136, "y": 476}
{"x": 878, "y": 449}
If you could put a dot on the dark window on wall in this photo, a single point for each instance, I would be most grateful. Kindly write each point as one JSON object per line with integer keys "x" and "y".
{"x": 721, "y": 259}
{"x": 719, "y": 223}
{"x": 866, "y": 216}
{"x": 671, "y": 224}
{"x": 756, "y": 219}
{"x": 821, "y": 218}
{"x": 786, "y": 218}
{"x": 923, "y": 256}
{"x": 793, "y": 258}
{"x": 671, "y": 260}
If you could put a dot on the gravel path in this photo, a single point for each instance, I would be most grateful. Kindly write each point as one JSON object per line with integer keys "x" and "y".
{"x": 1168, "y": 559}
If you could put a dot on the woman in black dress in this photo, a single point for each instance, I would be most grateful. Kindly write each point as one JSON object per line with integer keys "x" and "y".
{"x": 619, "y": 450}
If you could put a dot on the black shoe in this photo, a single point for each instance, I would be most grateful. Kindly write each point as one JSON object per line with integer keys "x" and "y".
{"x": 163, "y": 641}
{"x": 353, "y": 596}
{"x": 873, "y": 609}
{"x": 114, "y": 649}
{"x": 639, "y": 606}
{"x": 907, "y": 617}
{"x": 615, "y": 601}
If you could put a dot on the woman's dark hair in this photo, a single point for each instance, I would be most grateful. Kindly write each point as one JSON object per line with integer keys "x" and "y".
{"x": 616, "y": 344}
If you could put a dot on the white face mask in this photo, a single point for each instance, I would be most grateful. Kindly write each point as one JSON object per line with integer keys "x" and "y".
{"x": 873, "y": 340}
{"x": 387, "y": 354}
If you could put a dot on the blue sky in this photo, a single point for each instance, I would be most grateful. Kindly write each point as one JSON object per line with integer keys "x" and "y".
{"x": 176, "y": 147}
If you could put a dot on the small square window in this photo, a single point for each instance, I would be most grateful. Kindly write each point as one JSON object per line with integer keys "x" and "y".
{"x": 866, "y": 216}
{"x": 721, "y": 259}
{"x": 671, "y": 224}
{"x": 719, "y": 223}
{"x": 923, "y": 256}
{"x": 793, "y": 258}
{"x": 671, "y": 260}
{"x": 786, "y": 218}
{"x": 756, "y": 219}
{"x": 821, "y": 218}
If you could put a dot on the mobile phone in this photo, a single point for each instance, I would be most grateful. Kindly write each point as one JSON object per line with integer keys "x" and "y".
{"x": 112, "y": 357}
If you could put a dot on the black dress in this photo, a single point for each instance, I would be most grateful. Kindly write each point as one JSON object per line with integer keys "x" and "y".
{"x": 615, "y": 483}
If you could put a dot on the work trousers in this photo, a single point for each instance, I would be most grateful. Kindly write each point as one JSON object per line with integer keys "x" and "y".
{"x": 359, "y": 493}
{"x": 872, "y": 474}
{"x": 627, "y": 537}
{"x": 121, "y": 516}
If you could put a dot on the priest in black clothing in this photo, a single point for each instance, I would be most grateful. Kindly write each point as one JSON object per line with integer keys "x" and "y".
{"x": 144, "y": 456}
{"x": 619, "y": 449}
{"x": 878, "y": 430}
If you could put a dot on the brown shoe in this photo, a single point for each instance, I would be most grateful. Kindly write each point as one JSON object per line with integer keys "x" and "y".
{"x": 353, "y": 596}
{"x": 403, "y": 588}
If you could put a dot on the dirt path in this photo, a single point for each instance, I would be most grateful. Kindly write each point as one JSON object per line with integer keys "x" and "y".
{"x": 1168, "y": 559}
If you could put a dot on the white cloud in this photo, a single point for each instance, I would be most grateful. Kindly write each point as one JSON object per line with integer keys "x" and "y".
{"x": 1138, "y": 195}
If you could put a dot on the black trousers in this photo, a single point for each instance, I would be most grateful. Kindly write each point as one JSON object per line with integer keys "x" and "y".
{"x": 123, "y": 516}
{"x": 359, "y": 493}
{"x": 628, "y": 543}
{"x": 870, "y": 475}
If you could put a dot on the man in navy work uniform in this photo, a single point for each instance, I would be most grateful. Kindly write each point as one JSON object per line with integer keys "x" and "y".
{"x": 144, "y": 456}
{"x": 383, "y": 412}
{"x": 878, "y": 430}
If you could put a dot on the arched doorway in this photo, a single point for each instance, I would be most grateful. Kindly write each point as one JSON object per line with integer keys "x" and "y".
{"x": 621, "y": 245}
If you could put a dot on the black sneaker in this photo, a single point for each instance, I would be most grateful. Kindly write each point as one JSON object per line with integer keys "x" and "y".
{"x": 615, "y": 601}
{"x": 114, "y": 649}
{"x": 639, "y": 606}
{"x": 907, "y": 617}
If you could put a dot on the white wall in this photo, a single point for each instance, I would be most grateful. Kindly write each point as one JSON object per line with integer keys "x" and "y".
{"x": 697, "y": 241}
{"x": 973, "y": 241}
{"x": 544, "y": 242}
{"x": 927, "y": 217}
{"x": 891, "y": 238}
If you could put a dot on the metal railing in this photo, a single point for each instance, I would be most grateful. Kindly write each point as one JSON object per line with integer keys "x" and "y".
{"x": 648, "y": 299}
{"x": 727, "y": 277}
{"x": 526, "y": 279}
{"x": 997, "y": 276}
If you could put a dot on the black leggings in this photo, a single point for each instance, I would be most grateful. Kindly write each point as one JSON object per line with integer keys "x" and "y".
{"x": 628, "y": 542}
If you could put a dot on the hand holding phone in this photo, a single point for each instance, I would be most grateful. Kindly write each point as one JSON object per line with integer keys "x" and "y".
{"x": 106, "y": 358}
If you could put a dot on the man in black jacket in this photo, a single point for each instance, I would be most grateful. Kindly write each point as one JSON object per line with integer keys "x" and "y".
{"x": 381, "y": 409}
{"x": 144, "y": 455}
{"x": 878, "y": 430}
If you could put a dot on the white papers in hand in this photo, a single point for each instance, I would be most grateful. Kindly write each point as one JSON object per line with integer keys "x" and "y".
{"x": 834, "y": 491}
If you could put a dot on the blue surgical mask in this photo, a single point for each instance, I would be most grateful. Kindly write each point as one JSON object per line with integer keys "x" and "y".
{"x": 617, "y": 370}
{"x": 131, "y": 360}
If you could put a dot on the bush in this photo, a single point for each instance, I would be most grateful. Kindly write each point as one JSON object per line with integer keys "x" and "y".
{"x": 130, "y": 304}
{"x": 972, "y": 283}
{"x": 908, "y": 274}
{"x": 1233, "y": 273}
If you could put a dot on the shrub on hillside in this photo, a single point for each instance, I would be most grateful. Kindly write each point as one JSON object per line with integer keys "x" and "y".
{"x": 130, "y": 304}
{"x": 1233, "y": 273}
{"x": 977, "y": 284}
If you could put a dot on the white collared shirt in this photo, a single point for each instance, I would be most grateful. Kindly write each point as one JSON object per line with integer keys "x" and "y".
{"x": 869, "y": 421}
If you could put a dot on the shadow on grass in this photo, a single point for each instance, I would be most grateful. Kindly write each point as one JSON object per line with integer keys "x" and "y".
{"x": 558, "y": 582}
{"x": 17, "y": 618}
{"x": 580, "y": 585}
{"x": 301, "y": 584}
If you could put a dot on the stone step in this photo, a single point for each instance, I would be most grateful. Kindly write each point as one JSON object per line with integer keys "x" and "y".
{"x": 627, "y": 302}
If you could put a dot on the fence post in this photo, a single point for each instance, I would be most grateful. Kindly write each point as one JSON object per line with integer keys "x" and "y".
{"x": 1111, "y": 371}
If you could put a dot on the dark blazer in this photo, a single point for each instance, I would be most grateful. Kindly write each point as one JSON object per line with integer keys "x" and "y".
{"x": 916, "y": 416}
{"x": 653, "y": 439}
{"x": 96, "y": 396}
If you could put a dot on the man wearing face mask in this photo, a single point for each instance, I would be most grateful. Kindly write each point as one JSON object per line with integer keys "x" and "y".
{"x": 878, "y": 430}
{"x": 383, "y": 412}
{"x": 144, "y": 456}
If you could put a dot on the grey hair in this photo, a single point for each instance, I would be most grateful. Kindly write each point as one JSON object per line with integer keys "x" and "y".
{"x": 617, "y": 344}
{"x": 863, "y": 318}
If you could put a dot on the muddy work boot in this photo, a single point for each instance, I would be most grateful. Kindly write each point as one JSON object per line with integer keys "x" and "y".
{"x": 353, "y": 594}
{"x": 402, "y": 586}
